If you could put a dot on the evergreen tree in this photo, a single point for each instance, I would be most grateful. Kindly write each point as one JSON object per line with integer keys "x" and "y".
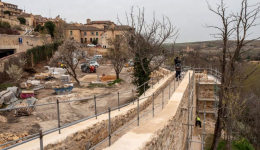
{"x": 140, "y": 77}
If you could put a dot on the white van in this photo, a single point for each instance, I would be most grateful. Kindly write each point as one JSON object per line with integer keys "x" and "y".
{"x": 98, "y": 56}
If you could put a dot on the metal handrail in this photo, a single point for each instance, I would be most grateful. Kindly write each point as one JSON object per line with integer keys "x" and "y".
{"x": 67, "y": 125}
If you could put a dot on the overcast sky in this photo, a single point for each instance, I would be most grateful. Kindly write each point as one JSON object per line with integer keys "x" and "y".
{"x": 187, "y": 15}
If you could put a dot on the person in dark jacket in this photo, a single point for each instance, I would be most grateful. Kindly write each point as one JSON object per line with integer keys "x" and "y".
{"x": 177, "y": 62}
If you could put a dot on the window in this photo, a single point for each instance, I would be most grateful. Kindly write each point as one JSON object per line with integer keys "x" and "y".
{"x": 85, "y": 40}
{"x": 71, "y": 32}
{"x": 90, "y": 39}
{"x": 97, "y": 40}
{"x": 92, "y": 33}
{"x": 85, "y": 33}
{"x": 96, "y": 33}
{"x": 81, "y": 40}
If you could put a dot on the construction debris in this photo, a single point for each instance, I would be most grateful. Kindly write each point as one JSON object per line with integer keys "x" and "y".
{"x": 49, "y": 84}
{"x": 65, "y": 79}
{"x": 107, "y": 78}
{"x": 27, "y": 94}
{"x": 38, "y": 87}
{"x": 64, "y": 89}
{"x": 7, "y": 97}
{"x": 3, "y": 119}
{"x": 8, "y": 137}
{"x": 25, "y": 111}
{"x": 25, "y": 85}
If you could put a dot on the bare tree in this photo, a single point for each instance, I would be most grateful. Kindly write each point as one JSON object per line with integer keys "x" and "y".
{"x": 117, "y": 54}
{"x": 234, "y": 25}
{"x": 60, "y": 30}
{"x": 71, "y": 54}
{"x": 146, "y": 39}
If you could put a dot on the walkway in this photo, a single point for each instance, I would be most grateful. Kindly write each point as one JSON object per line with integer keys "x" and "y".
{"x": 138, "y": 137}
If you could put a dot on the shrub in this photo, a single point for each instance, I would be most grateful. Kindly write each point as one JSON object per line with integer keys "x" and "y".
{"x": 115, "y": 81}
{"x": 4, "y": 24}
{"x": 15, "y": 72}
{"x": 22, "y": 20}
{"x": 40, "y": 53}
{"x": 17, "y": 27}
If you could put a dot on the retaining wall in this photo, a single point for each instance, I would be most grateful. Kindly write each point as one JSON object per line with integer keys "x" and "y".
{"x": 165, "y": 131}
{"x": 12, "y": 42}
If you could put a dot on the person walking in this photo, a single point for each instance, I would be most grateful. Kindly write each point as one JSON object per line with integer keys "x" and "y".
{"x": 198, "y": 121}
{"x": 177, "y": 62}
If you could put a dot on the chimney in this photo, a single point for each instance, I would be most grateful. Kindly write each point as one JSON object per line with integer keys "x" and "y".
{"x": 88, "y": 21}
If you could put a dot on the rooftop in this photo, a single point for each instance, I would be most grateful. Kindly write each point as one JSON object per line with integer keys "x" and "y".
{"x": 83, "y": 28}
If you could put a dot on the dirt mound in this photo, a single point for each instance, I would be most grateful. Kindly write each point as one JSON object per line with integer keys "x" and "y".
{"x": 7, "y": 137}
{"x": 107, "y": 78}
{"x": 3, "y": 119}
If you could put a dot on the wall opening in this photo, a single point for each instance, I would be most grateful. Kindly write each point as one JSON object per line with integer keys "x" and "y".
{"x": 6, "y": 52}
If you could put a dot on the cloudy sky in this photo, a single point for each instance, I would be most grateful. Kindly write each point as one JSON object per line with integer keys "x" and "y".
{"x": 189, "y": 16}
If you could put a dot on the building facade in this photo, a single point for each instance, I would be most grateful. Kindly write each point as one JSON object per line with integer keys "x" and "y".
{"x": 13, "y": 9}
{"x": 100, "y": 31}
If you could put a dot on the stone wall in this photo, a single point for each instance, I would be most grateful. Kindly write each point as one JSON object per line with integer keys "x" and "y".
{"x": 6, "y": 62}
{"x": 174, "y": 134}
{"x": 10, "y": 41}
{"x": 13, "y": 22}
{"x": 98, "y": 132}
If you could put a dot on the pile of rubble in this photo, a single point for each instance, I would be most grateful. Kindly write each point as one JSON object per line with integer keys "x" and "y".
{"x": 156, "y": 73}
{"x": 8, "y": 137}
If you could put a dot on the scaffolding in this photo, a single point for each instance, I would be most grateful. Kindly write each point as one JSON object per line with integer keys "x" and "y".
{"x": 216, "y": 76}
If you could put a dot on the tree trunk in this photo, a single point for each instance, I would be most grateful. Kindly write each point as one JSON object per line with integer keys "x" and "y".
{"x": 117, "y": 75}
{"x": 218, "y": 129}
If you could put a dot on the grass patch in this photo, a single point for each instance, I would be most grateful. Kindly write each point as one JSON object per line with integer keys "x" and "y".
{"x": 4, "y": 86}
{"x": 241, "y": 144}
{"x": 115, "y": 81}
{"x": 92, "y": 85}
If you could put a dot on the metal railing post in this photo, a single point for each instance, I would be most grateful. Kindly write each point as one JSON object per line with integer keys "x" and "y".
{"x": 41, "y": 139}
{"x": 174, "y": 85}
{"x": 138, "y": 112}
{"x": 118, "y": 103}
{"x": 58, "y": 113}
{"x": 188, "y": 139}
{"x": 95, "y": 103}
{"x": 144, "y": 89}
{"x": 170, "y": 90}
{"x": 153, "y": 104}
{"x": 162, "y": 98}
{"x": 152, "y": 82}
{"x": 133, "y": 96}
{"x": 109, "y": 126}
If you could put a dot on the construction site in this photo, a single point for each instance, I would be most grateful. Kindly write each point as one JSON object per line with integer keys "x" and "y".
{"x": 100, "y": 116}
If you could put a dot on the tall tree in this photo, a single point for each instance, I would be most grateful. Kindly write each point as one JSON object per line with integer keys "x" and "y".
{"x": 237, "y": 25}
{"x": 22, "y": 20}
{"x": 50, "y": 26}
{"x": 71, "y": 54}
{"x": 117, "y": 54}
{"x": 146, "y": 42}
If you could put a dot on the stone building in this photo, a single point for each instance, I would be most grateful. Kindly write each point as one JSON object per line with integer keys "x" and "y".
{"x": 30, "y": 20}
{"x": 13, "y": 9}
{"x": 100, "y": 31}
